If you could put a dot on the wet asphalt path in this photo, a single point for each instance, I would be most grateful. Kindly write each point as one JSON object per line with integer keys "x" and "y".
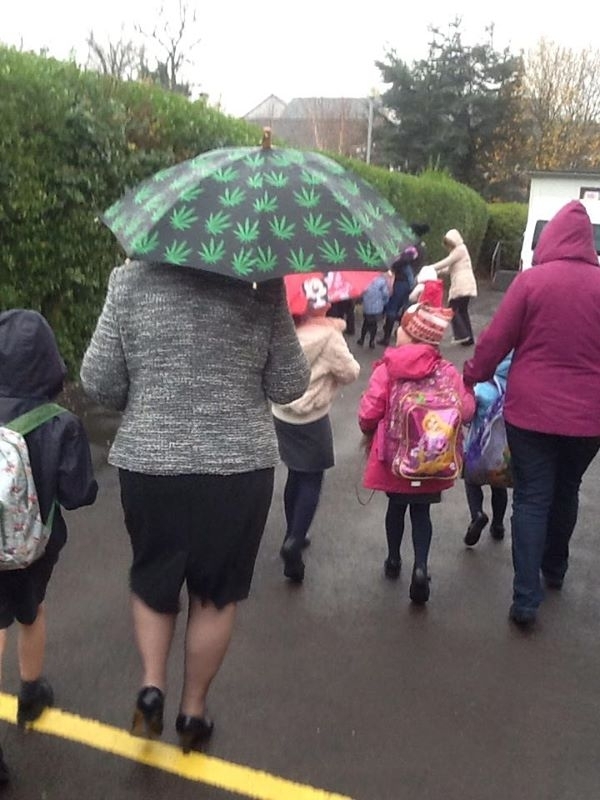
{"x": 340, "y": 684}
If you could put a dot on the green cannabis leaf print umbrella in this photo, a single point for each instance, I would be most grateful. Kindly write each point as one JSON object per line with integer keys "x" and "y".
{"x": 258, "y": 213}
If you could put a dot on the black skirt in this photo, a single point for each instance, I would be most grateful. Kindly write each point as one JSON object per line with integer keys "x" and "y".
{"x": 202, "y": 530}
{"x": 307, "y": 447}
{"x": 426, "y": 498}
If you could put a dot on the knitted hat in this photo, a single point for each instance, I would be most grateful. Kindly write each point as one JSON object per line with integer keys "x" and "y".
{"x": 427, "y": 324}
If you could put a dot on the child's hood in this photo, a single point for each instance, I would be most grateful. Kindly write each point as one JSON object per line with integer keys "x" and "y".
{"x": 503, "y": 367}
{"x": 316, "y": 333}
{"x": 30, "y": 363}
{"x": 411, "y": 361}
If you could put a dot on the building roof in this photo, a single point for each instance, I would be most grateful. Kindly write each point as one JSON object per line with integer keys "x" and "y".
{"x": 327, "y": 108}
{"x": 272, "y": 107}
{"x": 565, "y": 173}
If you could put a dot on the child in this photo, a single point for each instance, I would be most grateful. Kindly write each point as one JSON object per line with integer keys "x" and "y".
{"x": 487, "y": 393}
{"x": 31, "y": 374}
{"x": 374, "y": 299}
{"x": 304, "y": 432}
{"x": 415, "y": 358}
{"x": 429, "y": 289}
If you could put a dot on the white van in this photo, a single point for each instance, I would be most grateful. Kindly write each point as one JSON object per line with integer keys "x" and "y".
{"x": 549, "y": 192}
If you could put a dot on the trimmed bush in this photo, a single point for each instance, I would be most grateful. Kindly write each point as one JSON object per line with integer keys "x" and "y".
{"x": 431, "y": 197}
{"x": 71, "y": 142}
{"x": 506, "y": 225}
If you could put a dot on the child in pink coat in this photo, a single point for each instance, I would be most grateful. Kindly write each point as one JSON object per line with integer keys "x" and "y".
{"x": 415, "y": 357}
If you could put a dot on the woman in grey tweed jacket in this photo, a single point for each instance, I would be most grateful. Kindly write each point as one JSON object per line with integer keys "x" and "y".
{"x": 192, "y": 360}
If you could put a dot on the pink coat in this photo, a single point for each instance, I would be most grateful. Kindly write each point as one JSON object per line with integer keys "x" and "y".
{"x": 408, "y": 361}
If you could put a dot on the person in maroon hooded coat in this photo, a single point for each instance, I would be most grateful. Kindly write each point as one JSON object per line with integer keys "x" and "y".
{"x": 550, "y": 316}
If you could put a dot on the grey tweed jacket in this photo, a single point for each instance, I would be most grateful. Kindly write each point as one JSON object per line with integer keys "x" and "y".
{"x": 192, "y": 360}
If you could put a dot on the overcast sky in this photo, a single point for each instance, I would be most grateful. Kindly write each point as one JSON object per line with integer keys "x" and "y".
{"x": 295, "y": 48}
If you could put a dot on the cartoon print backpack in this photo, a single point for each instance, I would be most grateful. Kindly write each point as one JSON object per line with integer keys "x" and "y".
{"x": 487, "y": 457}
{"x": 424, "y": 437}
{"x": 23, "y": 535}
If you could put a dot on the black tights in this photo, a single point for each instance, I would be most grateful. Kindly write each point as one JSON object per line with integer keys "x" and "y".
{"x": 421, "y": 528}
{"x": 475, "y": 501}
{"x": 300, "y": 499}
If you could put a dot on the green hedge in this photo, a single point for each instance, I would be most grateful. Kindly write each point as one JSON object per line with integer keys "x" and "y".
{"x": 506, "y": 225}
{"x": 435, "y": 198}
{"x": 71, "y": 142}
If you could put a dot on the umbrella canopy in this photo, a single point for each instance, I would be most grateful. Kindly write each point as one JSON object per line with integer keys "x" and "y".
{"x": 258, "y": 213}
{"x": 318, "y": 289}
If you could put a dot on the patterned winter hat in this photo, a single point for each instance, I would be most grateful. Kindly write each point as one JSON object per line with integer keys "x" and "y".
{"x": 427, "y": 324}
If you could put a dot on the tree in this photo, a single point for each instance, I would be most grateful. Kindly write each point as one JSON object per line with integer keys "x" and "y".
{"x": 451, "y": 110}
{"x": 122, "y": 59}
{"x": 175, "y": 41}
{"x": 563, "y": 102}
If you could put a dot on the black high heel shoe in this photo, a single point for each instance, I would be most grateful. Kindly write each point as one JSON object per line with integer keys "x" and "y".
{"x": 148, "y": 714}
{"x": 194, "y": 732}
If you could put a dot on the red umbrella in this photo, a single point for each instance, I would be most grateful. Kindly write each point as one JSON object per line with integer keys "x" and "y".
{"x": 317, "y": 289}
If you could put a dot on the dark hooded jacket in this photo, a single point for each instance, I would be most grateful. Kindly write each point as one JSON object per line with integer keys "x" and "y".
{"x": 32, "y": 373}
{"x": 550, "y": 316}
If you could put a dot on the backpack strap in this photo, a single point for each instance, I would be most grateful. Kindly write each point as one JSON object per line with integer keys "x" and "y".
{"x": 29, "y": 422}
{"x": 33, "y": 419}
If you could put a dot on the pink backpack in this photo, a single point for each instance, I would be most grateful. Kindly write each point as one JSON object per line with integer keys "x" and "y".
{"x": 424, "y": 435}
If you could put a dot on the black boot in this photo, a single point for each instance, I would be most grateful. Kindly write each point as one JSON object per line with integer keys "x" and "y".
{"x": 419, "y": 586}
{"x": 293, "y": 565}
{"x": 474, "y": 530}
{"x": 34, "y": 698}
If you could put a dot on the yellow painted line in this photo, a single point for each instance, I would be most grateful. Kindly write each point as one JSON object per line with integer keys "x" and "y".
{"x": 224, "y": 775}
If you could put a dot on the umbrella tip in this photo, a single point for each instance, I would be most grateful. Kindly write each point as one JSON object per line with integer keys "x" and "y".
{"x": 266, "y": 140}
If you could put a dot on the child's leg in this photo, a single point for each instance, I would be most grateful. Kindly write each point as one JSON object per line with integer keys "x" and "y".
{"x": 306, "y": 500}
{"x": 478, "y": 518}
{"x": 394, "y": 531}
{"x": 36, "y": 693}
{"x": 388, "y": 326}
{"x": 301, "y": 507}
{"x": 31, "y": 646}
{"x": 372, "y": 328}
{"x": 363, "y": 330}
{"x": 421, "y": 536}
{"x": 474, "y": 498}
{"x": 499, "y": 503}
{"x": 421, "y": 532}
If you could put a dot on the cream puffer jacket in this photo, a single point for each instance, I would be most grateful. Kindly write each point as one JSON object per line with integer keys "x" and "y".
{"x": 331, "y": 365}
{"x": 458, "y": 265}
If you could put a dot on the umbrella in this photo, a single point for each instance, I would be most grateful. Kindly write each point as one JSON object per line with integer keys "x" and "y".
{"x": 317, "y": 289}
{"x": 258, "y": 213}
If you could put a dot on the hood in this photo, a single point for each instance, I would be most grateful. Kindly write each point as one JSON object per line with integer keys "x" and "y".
{"x": 30, "y": 364}
{"x": 427, "y": 274}
{"x": 454, "y": 237}
{"x": 568, "y": 235}
{"x": 411, "y": 361}
{"x": 315, "y": 333}
{"x": 501, "y": 373}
